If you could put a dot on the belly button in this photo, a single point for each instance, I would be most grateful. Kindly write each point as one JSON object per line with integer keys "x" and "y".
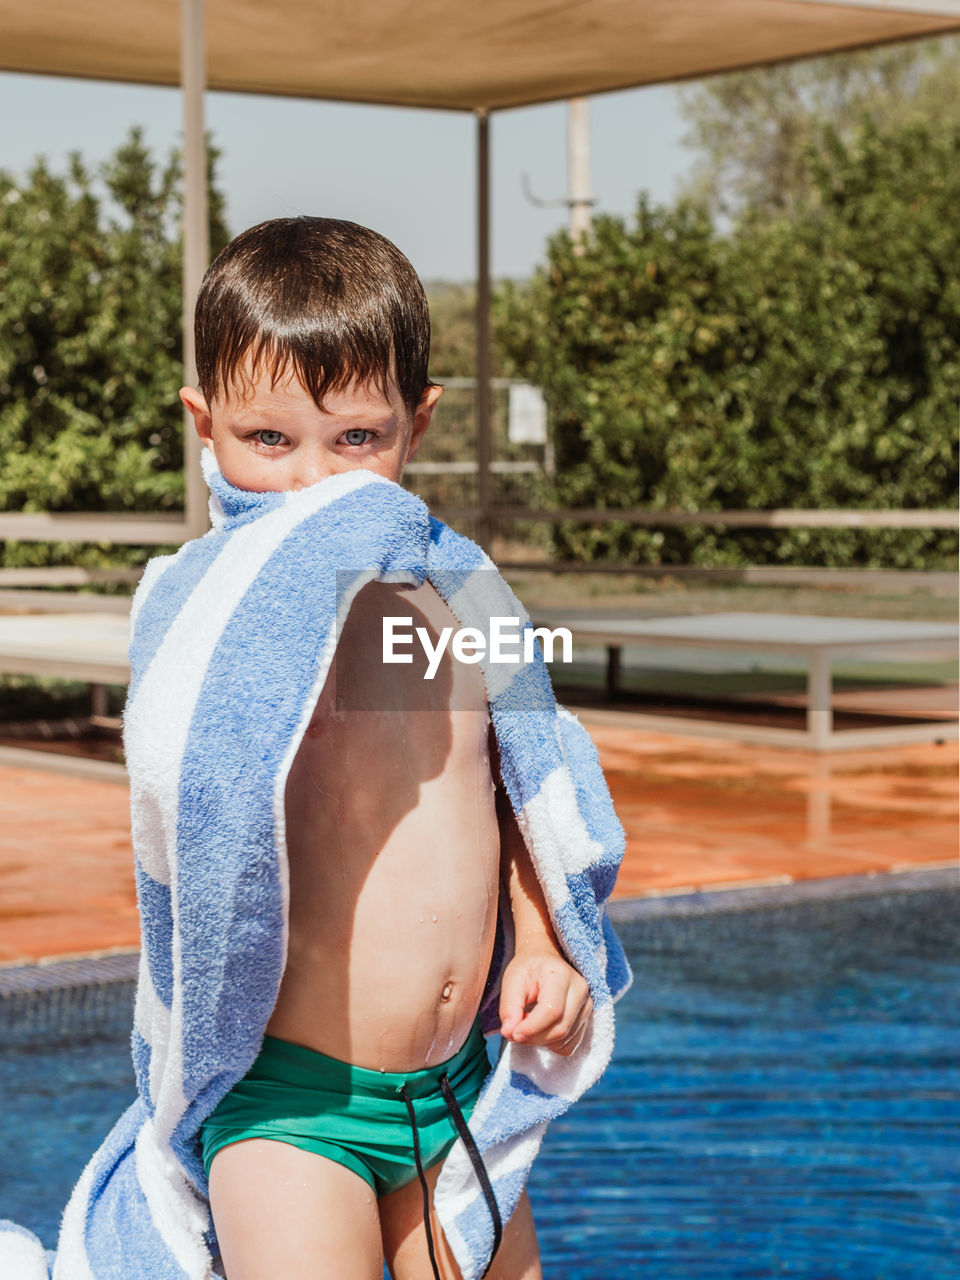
{"x": 447, "y": 991}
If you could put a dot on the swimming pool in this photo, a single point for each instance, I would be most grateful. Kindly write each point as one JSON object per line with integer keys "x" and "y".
{"x": 783, "y": 1100}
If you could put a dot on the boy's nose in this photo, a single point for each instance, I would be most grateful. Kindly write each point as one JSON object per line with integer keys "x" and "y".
{"x": 313, "y": 472}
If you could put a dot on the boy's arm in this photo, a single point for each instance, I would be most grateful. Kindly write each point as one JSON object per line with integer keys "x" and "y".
{"x": 543, "y": 1000}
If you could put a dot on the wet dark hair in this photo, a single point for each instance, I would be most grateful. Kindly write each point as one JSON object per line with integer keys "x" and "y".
{"x": 330, "y": 301}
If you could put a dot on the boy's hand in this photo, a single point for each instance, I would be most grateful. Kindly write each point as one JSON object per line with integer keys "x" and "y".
{"x": 543, "y": 1001}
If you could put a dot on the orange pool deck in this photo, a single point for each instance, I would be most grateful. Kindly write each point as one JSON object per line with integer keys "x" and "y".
{"x": 698, "y": 813}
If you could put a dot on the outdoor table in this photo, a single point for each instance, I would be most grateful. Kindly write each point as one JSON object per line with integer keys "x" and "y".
{"x": 87, "y": 646}
{"x": 819, "y": 640}
{"x": 93, "y": 647}
{"x": 66, "y": 646}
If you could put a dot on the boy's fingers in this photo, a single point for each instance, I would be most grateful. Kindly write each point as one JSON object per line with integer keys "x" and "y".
{"x": 543, "y": 1023}
{"x": 580, "y": 1017}
{"x": 570, "y": 1043}
{"x": 514, "y": 997}
{"x": 538, "y": 1022}
{"x": 543, "y": 1007}
{"x": 563, "y": 1028}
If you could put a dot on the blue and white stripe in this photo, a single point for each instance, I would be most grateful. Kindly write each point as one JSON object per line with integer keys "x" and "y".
{"x": 231, "y": 641}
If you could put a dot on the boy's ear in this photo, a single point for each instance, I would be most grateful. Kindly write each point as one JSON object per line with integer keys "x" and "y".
{"x": 194, "y": 402}
{"x": 421, "y": 419}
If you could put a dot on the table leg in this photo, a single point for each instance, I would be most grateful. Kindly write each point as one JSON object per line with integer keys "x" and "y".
{"x": 98, "y": 699}
{"x": 613, "y": 671}
{"x": 819, "y": 700}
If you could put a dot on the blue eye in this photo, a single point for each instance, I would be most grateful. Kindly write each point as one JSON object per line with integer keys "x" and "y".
{"x": 269, "y": 437}
{"x": 356, "y": 431}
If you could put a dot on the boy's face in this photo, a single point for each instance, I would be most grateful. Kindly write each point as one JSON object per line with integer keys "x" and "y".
{"x": 275, "y": 438}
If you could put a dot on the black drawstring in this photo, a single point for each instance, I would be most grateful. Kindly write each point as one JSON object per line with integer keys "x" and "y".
{"x": 478, "y": 1166}
{"x": 423, "y": 1182}
{"x": 456, "y": 1115}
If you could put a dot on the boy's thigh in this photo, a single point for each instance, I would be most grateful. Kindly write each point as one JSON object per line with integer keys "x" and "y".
{"x": 405, "y": 1240}
{"x": 281, "y": 1211}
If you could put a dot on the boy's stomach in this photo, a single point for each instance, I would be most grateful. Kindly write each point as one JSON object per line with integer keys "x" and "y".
{"x": 394, "y": 984}
{"x": 393, "y": 852}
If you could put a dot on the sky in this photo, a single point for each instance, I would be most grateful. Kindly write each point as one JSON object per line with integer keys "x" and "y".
{"x": 408, "y": 173}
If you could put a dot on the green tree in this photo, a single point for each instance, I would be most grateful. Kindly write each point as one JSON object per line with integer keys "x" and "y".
{"x": 753, "y": 128}
{"x": 90, "y": 338}
{"x": 810, "y": 359}
{"x": 453, "y": 329}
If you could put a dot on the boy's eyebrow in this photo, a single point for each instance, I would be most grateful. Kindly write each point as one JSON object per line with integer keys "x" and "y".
{"x": 255, "y": 413}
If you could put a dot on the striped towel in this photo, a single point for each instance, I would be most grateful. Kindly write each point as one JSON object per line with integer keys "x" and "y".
{"x": 231, "y": 640}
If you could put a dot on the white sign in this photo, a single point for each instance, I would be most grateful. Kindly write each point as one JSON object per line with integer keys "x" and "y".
{"x": 527, "y": 419}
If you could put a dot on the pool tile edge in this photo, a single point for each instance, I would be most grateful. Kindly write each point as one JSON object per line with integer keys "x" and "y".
{"x": 744, "y": 897}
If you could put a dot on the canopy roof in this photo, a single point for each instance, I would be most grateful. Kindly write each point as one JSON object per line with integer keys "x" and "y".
{"x": 457, "y": 54}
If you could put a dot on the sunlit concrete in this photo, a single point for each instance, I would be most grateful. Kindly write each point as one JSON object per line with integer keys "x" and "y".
{"x": 698, "y": 814}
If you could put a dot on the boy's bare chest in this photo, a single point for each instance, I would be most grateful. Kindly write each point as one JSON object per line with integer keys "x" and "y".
{"x": 393, "y": 853}
{"x": 394, "y": 658}
{"x": 393, "y": 766}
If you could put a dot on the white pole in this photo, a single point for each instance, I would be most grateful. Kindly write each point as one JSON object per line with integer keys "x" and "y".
{"x": 196, "y": 237}
{"x": 578, "y": 140}
{"x": 484, "y": 427}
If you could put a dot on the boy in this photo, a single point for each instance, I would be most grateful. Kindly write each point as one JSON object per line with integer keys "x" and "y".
{"x": 312, "y": 349}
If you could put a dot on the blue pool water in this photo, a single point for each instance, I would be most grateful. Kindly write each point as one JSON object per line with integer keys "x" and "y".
{"x": 784, "y": 1099}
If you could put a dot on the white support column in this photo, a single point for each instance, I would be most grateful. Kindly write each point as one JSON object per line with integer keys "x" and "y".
{"x": 196, "y": 236}
{"x": 484, "y": 430}
{"x": 578, "y": 151}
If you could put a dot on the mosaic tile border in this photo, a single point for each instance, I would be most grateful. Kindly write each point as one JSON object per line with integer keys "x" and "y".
{"x": 871, "y": 884}
{"x": 59, "y": 975}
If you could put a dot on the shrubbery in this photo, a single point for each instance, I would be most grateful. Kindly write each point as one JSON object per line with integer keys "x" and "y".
{"x": 809, "y": 359}
{"x": 807, "y": 356}
{"x": 90, "y": 342}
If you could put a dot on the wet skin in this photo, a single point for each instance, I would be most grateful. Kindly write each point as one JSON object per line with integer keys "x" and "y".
{"x": 397, "y": 843}
{"x": 393, "y": 847}
{"x": 391, "y": 812}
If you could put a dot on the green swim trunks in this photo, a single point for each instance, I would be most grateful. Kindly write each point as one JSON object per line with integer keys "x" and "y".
{"x": 362, "y": 1119}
